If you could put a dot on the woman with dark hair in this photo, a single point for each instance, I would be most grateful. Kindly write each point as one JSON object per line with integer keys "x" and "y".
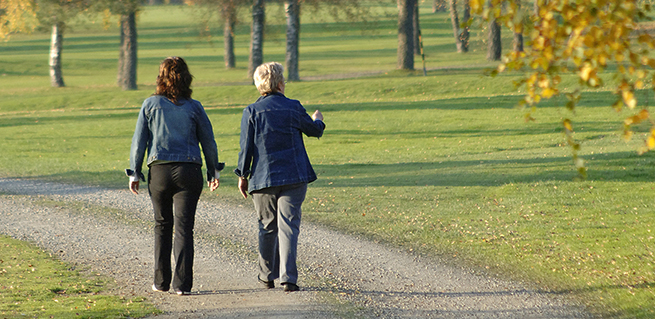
{"x": 274, "y": 168}
{"x": 170, "y": 128}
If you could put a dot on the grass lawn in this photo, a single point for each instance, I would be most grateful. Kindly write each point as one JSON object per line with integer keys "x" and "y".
{"x": 33, "y": 284}
{"x": 440, "y": 165}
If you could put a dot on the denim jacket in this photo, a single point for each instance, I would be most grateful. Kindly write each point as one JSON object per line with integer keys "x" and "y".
{"x": 272, "y": 148}
{"x": 171, "y": 133}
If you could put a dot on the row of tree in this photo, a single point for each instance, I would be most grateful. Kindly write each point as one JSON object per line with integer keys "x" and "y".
{"x": 25, "y": 15}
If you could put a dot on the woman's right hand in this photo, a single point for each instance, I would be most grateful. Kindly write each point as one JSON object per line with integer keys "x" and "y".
{"x": 317, "y": 115}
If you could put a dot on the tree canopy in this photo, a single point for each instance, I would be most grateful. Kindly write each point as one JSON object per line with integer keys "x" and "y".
{"x": 584, "y": 38}
{"x": 17, "y": 16}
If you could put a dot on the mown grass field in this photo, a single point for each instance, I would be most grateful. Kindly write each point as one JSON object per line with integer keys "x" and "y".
{"x": 36, "y": 285}
{"x": 442, "y": 165}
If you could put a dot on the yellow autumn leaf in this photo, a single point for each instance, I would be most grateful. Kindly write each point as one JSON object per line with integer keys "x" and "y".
{"x": 650, "y": 142}
{"x": 548, "y": 93}
{"x": 567, "y": 125}
{"x": 476, "y": 5}
{"x": 627, "y": 135}
{"x": 585, "y": 72}
{"x": 629, "y": 99}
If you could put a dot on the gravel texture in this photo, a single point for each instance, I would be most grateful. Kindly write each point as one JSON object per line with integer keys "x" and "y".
{"x": 110, "y": 232}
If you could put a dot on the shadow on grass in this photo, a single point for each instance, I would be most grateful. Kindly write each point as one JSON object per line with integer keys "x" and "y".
{"x": 590, "y": 99}
{"x": 483, "y": 173}
{"x": 129, "y": 114}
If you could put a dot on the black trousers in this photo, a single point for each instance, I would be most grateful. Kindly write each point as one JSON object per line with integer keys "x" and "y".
{"x": 174, "y": 190}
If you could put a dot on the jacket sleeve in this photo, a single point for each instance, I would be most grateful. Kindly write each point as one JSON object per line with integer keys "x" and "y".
{"x": 308, "y": 126}
{"x": 140, "y": 141}
{"x": 205, "y": 135}
{"x": 247, "y": 145}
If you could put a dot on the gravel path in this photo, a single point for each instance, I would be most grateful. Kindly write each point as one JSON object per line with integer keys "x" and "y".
{"x": 109, "y": 231}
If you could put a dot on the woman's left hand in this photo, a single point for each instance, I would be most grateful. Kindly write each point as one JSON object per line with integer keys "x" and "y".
{"x": 213, "y": 185}
{"x": 134, "y": 187}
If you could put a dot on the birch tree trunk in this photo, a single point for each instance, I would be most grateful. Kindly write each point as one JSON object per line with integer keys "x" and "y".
{"x": 461, "y": 33}
{"x": 256, "y": 57}
{"x": 406, "y": 34}
{"x": 121, "y": 54}
{"x": 464, "y": 35}
{"x": 454, "y": 19}
{"x": 56, "y": 45}
{"x": 292, "y": 9}
{"x": 130, "y": 51}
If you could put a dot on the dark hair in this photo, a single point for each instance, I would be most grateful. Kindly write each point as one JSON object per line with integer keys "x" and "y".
{"x": 174, "y": 79}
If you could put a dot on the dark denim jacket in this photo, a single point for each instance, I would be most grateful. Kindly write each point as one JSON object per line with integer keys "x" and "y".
{"x": 272, "y": 148}
{"x": 171, "y": 133}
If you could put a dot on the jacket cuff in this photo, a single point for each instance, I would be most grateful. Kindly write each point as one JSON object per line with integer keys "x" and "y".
{"x": 134, "y": 176}
{"x": 216, "y": 174}
{"x": 241, "y": 174}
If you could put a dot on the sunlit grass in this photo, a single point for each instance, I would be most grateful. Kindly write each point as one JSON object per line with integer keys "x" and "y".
{"x": 442, "y": 165}
{"x": 36, "y": 285}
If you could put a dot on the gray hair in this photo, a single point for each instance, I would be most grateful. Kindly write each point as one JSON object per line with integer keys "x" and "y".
{"x": 268, "y": 77}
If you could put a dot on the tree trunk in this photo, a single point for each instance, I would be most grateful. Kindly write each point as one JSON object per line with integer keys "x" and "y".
{"x": 494, "y": 49}
{"x": 518, "y": 36}
{"x": 461, "y": 33}
{"x": 228, "y": 37}
{"x": 439, "y": 6}
{"x": 154, "y": 2}
{"x": 121, "y": 54}
{"x": 128, "y": 22}
{"x": 454, "y": 19}
{"x": 175, "y": 1}
{"x": 464, "y": 35}
{"x": 56, "y": 45}
{"x": 406, "y": 34}
{"x": 416, "y": 25}
{"x": 257, "y": 36}
{"x": 518, "y": 42}
{"x": 292, "y": 9}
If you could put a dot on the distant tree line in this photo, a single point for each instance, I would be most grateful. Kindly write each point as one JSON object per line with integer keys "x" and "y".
{"x": 25, "y": 15}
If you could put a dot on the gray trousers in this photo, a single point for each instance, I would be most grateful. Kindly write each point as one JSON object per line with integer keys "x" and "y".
{"x": 279, "y": 210}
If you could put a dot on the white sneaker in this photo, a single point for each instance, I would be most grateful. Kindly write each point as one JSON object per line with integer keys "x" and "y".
{"x": 181, "y": 293}
{"x": 154, "y": 288}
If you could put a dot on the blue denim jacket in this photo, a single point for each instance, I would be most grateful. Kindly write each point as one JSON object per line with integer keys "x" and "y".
{"x": 272, "y": 148}
{"x": 171, "y": 133}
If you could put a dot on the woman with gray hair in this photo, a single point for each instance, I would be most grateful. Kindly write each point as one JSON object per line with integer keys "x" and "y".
{"x": 274, "y": 168}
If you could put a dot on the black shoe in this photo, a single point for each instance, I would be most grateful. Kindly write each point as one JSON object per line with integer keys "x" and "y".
{"x": 267, "y": 284}
{"x": 290, "y": 287}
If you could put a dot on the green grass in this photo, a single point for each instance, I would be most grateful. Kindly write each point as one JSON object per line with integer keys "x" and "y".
{"x": 33, "y": 284}
{"x": 440, "y": 165}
